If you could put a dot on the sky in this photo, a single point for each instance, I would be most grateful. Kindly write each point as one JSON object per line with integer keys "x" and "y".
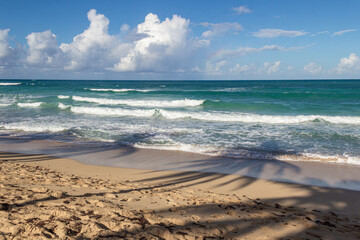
{"x": 180, "y": 39}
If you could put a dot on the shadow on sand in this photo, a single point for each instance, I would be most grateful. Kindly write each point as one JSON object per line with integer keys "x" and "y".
{"x": 175, "y": 181}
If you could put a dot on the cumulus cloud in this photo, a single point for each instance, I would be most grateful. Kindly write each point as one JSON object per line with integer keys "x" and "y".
{"x": 43, "y": 48}
{"x": 272, "y": 33}
{"x": 153, "y": 46}
{"x": 164, "y": 44}
{"x": 348, "y": 64}
{"x": 7, "y": 53}
{"x": 340, "y": 33}
{"x": 312, "y": 68}
{"x": 270, "y": 68}
{"x": 4, "y": 43}
{"x": 94, "y": 48}
{"x": 241, "y": 10}
{"x": 219, "y": 28}
{"x": 214, "y": 68}
{"x": 243, "y": 69}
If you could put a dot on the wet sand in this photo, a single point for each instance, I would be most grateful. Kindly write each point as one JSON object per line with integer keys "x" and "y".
{"x": 322, "y": 174}
{"x": 44, "y": 197}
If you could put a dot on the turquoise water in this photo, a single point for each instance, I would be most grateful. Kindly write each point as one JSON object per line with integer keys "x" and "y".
{"x": 286, "y": 120}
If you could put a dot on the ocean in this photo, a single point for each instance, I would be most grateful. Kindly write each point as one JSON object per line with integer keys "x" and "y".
{"x": 283, "y": 120}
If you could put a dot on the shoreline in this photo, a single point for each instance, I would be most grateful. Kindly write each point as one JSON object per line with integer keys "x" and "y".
{"x": 64, "y": 198}
{"x": 321, "y": 174}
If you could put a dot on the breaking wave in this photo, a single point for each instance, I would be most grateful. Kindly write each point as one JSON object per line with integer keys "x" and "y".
{"x": 63, "y": 97}
{"x": 118, "y": 90}
{"x": 30, "y": 105}
{"x": 9, "y": 84}
{"x": 214, "y": 116}
{"x": 142, "y": 103}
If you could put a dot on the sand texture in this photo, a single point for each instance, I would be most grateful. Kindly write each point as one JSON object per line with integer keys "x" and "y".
{"x": 43, "y": 197}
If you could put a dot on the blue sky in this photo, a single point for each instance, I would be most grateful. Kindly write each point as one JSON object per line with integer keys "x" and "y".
{"x": 254, "y": 39}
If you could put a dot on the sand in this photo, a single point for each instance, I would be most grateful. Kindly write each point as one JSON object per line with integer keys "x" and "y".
{"x": 44, "y": 197}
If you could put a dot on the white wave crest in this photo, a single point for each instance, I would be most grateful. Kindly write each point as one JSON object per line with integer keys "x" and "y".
{"x": 142, "y": 103}
{"x": 30, "y": 105}
{"x": 63, "y": 97}
{"x": 63, "y": 106}
{"x": 257, "y": 118}
{"x": 112, "y": 111}
{"x": 118, "y": 90}
{"x": 9, "y": 84}
{"x": 215, "y": 116}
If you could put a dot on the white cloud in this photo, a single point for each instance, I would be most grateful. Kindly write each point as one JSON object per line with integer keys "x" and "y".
{"x": 348, "y": 64}
{"x": 4, "y": 43}
{"x": 7, "y": 53}
{"x": 219, "y": 28}
{"x": 215, "y": 68}
{"x": 94, "y": 48}
{"x": 225, "y": 54}
{"x": 340, "y": 33}
{"x": 244, "y": 69}
{"x": 312, "y": 68}
{"x": 320, "y": 33}
{"x": 271, "y": 33}
{"x": 163, "y": 46}
{"x": 241, "y": 10}
{"x": 124, "y": 27}
{"x": 196, "y": 69}
{"x": 270, "y": 68}
{"x": 43, "y": 48}
{"x": 153, "y": 46}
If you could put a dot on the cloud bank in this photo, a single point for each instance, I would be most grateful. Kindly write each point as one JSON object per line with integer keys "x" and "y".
{"x": 156, "y": 46}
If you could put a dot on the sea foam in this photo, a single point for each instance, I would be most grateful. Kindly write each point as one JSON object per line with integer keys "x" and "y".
{"x": 34, "y": 128}
{"x": 4, "y": 104}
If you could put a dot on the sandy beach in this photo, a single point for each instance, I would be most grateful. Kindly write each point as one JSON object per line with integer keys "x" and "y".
{"x": 46, "y": 197}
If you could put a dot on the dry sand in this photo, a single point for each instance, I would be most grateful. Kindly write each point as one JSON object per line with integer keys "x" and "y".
{"x": 45, "y": 197}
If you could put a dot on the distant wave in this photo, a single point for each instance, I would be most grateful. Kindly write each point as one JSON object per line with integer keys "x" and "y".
{"x": 118, "y": 90}
{"x": 9, "y": 84}
{"x": 142, "y": 103}
{"x": 30, "y": 105}
{"x": 63, "y": 97}
{"x": 214, "y": 116}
